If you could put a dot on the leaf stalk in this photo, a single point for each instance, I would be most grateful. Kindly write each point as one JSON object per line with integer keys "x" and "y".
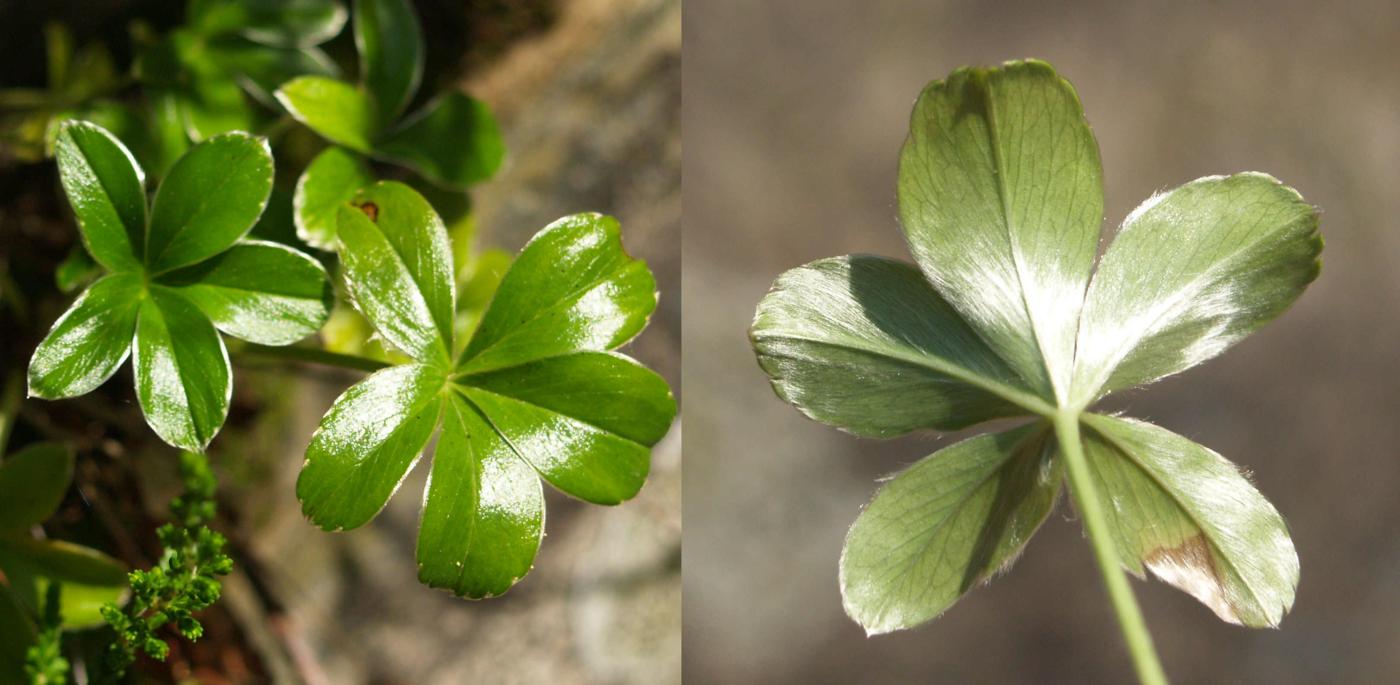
{"x": 314, "y": 355}
{"x": 1120, "y": 593}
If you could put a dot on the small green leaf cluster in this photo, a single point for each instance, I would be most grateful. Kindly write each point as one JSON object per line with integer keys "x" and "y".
{"x": 536, "y": 391}
{"x": 44, "y": 662}
{"x": 79, "y": 81}
{"x": 231, "y": 54}
{"x": 184, "y": 582}
{"x": 178, "y": 271}
{"x": 33, "y": 481}
{"x": 453, "y": 141}
{"x": 1006, "y": 315}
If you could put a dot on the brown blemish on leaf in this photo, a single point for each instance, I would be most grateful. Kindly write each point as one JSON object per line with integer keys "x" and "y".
{"x": 370, "y": 209}
{"x": 1190, "y": 567}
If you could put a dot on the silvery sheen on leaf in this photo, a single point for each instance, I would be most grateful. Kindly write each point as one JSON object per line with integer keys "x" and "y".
{"x": 1004, "y": 314}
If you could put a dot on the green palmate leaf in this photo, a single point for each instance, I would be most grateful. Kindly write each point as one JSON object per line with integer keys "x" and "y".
{"x": 1192, "y": 272}
{"x": 865, "y": 344}
{"x": 329, "y": 182}
{"x": 1187, "y": 514}
{"x": 398, "y": 269}
{"x": 106, "y": 188}
{"x": 338, "y": 111}
{"x": 572, "y": 288}
{"x": 550, "y": 401}
{"x": 61, "y": 561}
{"x": 391, "y": 53}
{"x": 17, "y": 633}
{"x": 367, "y": 443}
{"x": 258, "y": 291}
{"x": 89, "y": 342}
{"x": 210, "y": 199}
{"x": 483, "y": 513}
{"x": 182, "y": 370}
{"x": 195, "y": 274}
{"x": 945, "y": 525}
{"x": 1000, "y": 196}
{"x": 585, "y": 421}
{"x": 454, "y": 141}
{"x": 261, "y": 69}
{"x": 32, "y": 483}
{"x": 284, "y": 23}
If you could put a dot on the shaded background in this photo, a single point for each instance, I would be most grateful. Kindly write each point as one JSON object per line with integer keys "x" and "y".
{"x": 588, "y": 96}
{"x": 794, "y": 114}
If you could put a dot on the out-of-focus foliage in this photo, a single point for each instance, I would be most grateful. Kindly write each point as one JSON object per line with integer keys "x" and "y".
{"x": 220, "y": 68}
{"x": 33, "y": 482}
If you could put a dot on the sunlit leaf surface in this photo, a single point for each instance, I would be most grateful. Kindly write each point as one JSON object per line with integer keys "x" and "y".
{"x": 182, "y": 370}
{"x": 106, "y": 188}
{"x": 259, "y": 291}
{"x": 331, "y": 180}
{"x": 180, "y": 271}
{"x": 483, "y": 513}
{"x": 537, "y": 394}
{"x": 338, "y": 111}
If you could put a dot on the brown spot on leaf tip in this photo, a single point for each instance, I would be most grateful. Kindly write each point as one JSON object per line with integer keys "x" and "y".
{"x": 1190, "y": 567}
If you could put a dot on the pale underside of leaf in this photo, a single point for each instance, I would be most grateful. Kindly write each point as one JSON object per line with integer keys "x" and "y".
{"x": 1000, "y": 198}
{"x": 1191, "y": 518}
{"x": 1192, "y": 272}
{"x": 865, "y": 344}
{"x": 946, "y": 524}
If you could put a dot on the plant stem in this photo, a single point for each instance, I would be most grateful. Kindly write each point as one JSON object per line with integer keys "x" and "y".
{"x": 10, "y": 398}
{"x": 1086, "y": 498}
{"x": 315, "y": 356}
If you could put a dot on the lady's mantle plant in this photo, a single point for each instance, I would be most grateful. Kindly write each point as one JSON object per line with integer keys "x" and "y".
{"x": 453, "y": 141}
{"x": 176, "y": 272}
{"x": 536, "y": 392}
{"x": 1000, "y": 197}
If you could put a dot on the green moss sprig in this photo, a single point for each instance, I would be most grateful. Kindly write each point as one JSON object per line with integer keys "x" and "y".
{"x": 183, "y": 583}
